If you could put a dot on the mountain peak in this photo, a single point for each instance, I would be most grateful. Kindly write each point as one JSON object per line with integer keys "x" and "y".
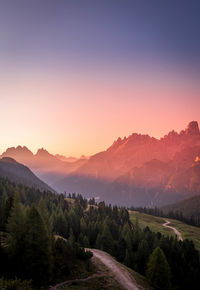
{"x": 43, "y": 153}
{"x": 192, "y": 128}
{"x": 19, "y": 150}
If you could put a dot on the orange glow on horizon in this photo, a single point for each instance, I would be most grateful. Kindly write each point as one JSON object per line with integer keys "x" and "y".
{"x": 74, "y": 115}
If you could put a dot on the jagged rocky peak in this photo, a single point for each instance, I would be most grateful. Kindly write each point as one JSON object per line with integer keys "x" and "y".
{"x": 119, "y": 139}
{"x": 43, "y": 153}
{"x": 23, "y": 149}
{"x": 116, "y": 142}
{"x": 170, "y": 136}
{"x": 172, "y": 133}
{"x": 192, "y": 128}
{"x": 138, "y": 139}
{"x": 17, "y": 150}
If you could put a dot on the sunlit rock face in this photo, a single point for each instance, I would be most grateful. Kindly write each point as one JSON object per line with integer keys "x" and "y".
{"x": 192, "y": 128}
{"x": 197, "y": 159}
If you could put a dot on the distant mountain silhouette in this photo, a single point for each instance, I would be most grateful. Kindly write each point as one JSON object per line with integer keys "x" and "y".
{"x": 70, "y": 159}
{"x": 16, "y": 172}
{"x": 47, "y": 166}
{"x": 21, "y": 154}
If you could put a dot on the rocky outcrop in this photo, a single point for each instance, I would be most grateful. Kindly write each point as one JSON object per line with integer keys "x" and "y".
{"x": 192, "y": 128}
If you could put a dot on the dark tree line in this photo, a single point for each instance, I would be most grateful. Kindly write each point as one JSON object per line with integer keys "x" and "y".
{"x": 30, "y": 220}
{"x": 29, "y": 249}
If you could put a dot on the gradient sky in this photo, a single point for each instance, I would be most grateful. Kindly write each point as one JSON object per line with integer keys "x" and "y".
{"x": 75, "y": 75}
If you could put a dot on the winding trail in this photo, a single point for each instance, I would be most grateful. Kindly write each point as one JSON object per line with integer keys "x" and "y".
{"x": 68, "y": 282}
{"x": 174, "y": 229}
{"x": 120, "y": 273}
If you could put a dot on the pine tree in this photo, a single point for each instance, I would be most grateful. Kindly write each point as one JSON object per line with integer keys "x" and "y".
{"x": 106, "y": 239}
{"x": 86, "y": 243}
{"x": 98, "y": 242}
{"x": 142, "y": 255}
{"x": 15, "y": 235}
{"x": 83, "y": 226}
{"x": 71, "y": 238}
{"x": 45, "y": 214}
{"x": 128, "y": 259}
{"x": 38, "y": 251}
{"x": 60, "y": 225}
{"x": 158, "y": 270}
{"x": 3, "y": 198}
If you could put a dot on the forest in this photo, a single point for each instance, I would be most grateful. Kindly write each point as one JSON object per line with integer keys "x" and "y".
{"x": 48, "y": 232}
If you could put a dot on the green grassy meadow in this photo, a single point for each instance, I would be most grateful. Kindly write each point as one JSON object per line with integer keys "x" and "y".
{"x": 155, "y": 224}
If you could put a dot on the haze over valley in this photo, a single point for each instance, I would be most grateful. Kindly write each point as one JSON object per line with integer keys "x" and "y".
{"x": 137, "y": 170}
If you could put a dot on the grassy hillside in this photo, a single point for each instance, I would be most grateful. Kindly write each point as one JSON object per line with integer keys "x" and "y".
{"x": 155, "y": 224}
{"x": 187, "y": 231}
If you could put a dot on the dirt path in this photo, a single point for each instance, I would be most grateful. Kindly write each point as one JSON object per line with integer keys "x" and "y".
{"x": 174, "y": 229}
{"x": 68, "y": 282}
{"x": 119, "y": 272}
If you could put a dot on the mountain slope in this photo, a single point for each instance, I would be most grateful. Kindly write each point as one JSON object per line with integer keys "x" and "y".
{"x": 139, "y": 170}
{"x": 154, "y": 184}
{"x": 19, "y": 173}
{"x": 189, "y": 207}
{"x": 186, "y": 180}
{"x": 143, "y": 185}
{"x": 136, "y": 150}
{"x": 47, "y": 166}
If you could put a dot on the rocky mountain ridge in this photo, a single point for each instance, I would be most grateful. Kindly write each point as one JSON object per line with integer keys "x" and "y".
{"x": 137, "y": 170}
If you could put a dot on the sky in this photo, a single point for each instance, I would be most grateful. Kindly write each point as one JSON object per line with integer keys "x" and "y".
{"x": 76, "y": 75}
